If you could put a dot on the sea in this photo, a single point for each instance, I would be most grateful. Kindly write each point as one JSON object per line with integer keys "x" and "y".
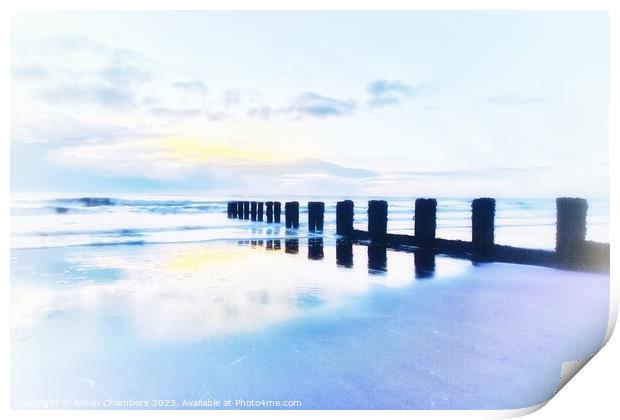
{"x": 52, "y": 220}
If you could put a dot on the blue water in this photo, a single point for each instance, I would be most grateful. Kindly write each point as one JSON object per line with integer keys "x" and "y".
{"x": 60, "y": 220}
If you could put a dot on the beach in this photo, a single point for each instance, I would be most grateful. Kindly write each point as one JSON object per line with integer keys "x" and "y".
{"x": 256, "y": 312}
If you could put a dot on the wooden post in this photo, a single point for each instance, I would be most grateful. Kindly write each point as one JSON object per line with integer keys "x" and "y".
{"x": 570, "y": 228}
{"x": 291, "y": 209}
{"x": 288, "y": 214}
{"x": 425, "y": 221}
{"x": 246, "y": 210}
{"x": 377, "y": 219}
{"x": 269, "y": 205}
{"x": 233, "y": 209}
{"x": 253, "y": 210}
{"x": 483, "y": 224}
{"x": 316, "y": 215}
{"x": 276, "y": 211}
{"x": 239, "y": 209}
{"x": 344, "y": 218}
{"x": 229, "y": 210}
{"x": 259, "y": 214}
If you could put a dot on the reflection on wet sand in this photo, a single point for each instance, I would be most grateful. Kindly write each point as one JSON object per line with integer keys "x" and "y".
{"x": 273, "y": 244}
{"x": 424, "y": 262}
{"x": 344, "y": 253}
{"x": 229, "y": 317}
{"x": 377, "y": 258}
{"x": 315, "y": 249}
{"x": 291, "y": 246}
{"x": 199, "y": 291}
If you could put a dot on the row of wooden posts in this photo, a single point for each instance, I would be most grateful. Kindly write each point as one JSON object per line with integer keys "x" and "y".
{"x": 570, "y": 232}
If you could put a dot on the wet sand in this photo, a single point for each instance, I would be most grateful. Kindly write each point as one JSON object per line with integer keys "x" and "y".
{"x": 298, "y": 320}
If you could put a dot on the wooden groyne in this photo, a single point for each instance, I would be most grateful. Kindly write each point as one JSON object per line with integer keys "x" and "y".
{"x": 572, "y": 251}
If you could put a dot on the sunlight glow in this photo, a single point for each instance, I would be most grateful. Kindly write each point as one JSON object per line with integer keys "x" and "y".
{"x": 195, "y": 150}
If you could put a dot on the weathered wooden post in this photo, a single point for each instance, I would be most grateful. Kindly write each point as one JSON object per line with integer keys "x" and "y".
{"x": 259, "y": 213}
{"x": 344, "y": 218}
{"x": 570, "y": 228}
{"x": 269, "y": 205}
{"x": 316, "y": 214}
{"x": 315, "y": 249}
{"x": 483, "y": 224}
{"x": 425, "y": 221}
{"x": 377, "y": 219}
{"x": 291, "y": 209}
{"x": 246, "y": 210}
{"x": 253, "y": 210}
{"x": 239, "y": 209}
{"x": 233, "y": 209}
{"x": 288, "y": 214}
{"x": 277, "y": 208}
{"x": 344, "y": 253}
{"x": 229, "y": 209}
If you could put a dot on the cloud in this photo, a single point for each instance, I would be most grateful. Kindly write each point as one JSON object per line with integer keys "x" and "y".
{"x": 333, "y": 169}
{"x": 124, "y": 74}
{"x": 481, "y": 173}
{"x": 319, "y": 106}
{"x": 175, "y": 113}
{"x": 72, "y": 44}
{"x": 72, "y": 69}
{"x": 192, "y": 86}
{"x": 261, "y": 112}
{"x": 30, "y": 72}
{"x": 309, "y": 168}
{"x": 88, "y": 93}
{"x": 67, "y": 130}
{"x": 513, "y": 99}
{"x": 232, "y": 97}
{"x": 177, "y": 158}
{"x": 384, "y": 92}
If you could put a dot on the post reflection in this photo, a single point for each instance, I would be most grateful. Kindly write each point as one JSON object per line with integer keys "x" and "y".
{"x": 291, "y": 246}
{"x": 423, "y": 259}
{"x": 377, "y": 258}
{"x": 344, "y": 253}
{"x": 424, "y": 262}
{"x": 315, "y": 249}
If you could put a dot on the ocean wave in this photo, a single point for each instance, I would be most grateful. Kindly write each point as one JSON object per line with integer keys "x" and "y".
{"x": 98, "y": 204}
{"x": 86, "y": 201}
{"x": 125, "y": 232}
{"x": 43, "y": 210}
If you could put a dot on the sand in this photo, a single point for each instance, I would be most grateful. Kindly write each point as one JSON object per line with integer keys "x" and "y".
{"x": 188, "y": 325}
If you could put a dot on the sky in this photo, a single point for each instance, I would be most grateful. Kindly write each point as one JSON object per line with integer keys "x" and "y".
{"x": 506, "y": 104}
